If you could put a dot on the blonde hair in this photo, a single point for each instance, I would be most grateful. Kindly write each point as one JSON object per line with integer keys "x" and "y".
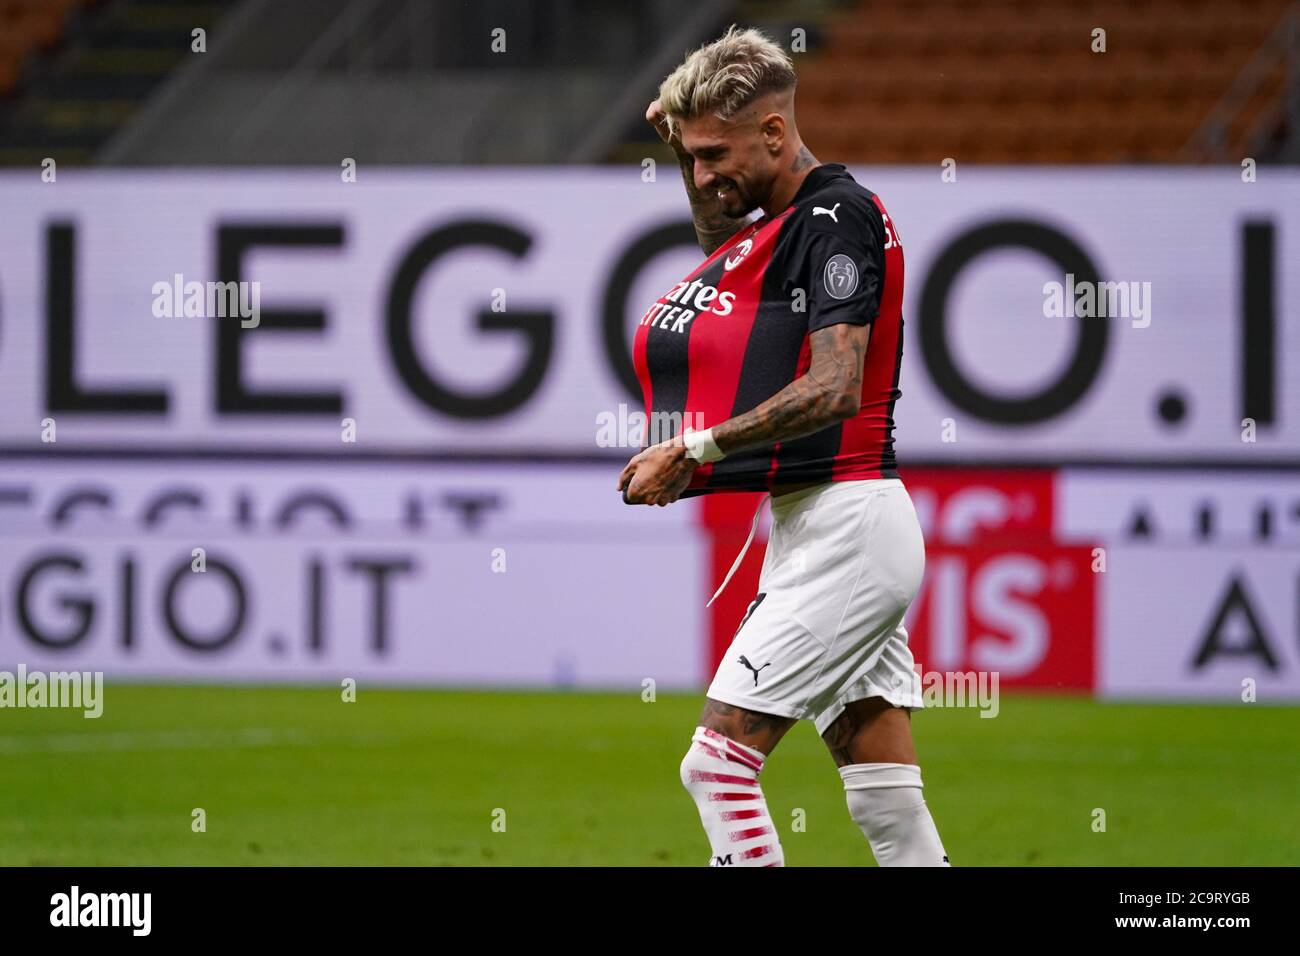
{"x": 726, "y": 75}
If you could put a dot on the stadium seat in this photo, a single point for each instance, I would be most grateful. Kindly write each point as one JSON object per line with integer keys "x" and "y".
{"x": 1004, "y": 80}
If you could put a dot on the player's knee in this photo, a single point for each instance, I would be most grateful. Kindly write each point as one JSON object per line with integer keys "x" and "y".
{"x": 689, "y": 767}
{"x": 696, "y": 762}
{"x": 701, "y": 758}
{"x": 713, "y": 759}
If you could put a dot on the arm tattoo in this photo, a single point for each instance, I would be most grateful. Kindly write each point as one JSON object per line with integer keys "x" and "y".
{"x": 713, "y": 227}
{"x": 828, "y": 393}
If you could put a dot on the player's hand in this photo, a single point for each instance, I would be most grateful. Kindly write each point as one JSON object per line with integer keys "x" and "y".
{"x": 657, "y": 475}
{"x": 655, "y": 116}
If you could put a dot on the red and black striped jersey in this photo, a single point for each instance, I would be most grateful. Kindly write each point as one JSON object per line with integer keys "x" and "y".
{"x": 736, "y": 331}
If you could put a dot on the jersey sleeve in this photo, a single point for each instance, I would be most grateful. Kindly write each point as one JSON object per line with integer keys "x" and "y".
{"x": 839, "y": 266}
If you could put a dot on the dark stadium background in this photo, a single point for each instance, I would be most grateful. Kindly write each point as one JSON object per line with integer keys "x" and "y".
{"x": 426, "y": 629}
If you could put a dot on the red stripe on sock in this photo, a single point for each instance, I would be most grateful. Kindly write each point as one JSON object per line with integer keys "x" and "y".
{"x": 740, "y": 814}
{"x": 727, "y": 755}
{"x": 734, "y": 750}
{"x": 747, "y": 759}
{"x": 709, "y": 776}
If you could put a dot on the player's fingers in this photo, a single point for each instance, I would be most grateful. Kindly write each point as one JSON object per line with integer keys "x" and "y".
{"x": 635, "y": 494}
{"x": 656, "y": 117}
{"x": 628, "y": 471}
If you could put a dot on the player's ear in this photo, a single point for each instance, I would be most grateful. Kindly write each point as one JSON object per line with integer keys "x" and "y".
{"x": 772, "y": 128}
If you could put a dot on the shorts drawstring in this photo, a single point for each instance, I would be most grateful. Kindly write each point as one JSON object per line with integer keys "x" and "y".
{"x": 753, "y": 526}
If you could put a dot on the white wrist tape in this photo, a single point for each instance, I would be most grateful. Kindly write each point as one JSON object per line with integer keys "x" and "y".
{"x": 701, "y": 446}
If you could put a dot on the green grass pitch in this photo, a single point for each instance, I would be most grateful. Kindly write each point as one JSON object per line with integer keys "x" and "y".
{"x": 298, "y": 777}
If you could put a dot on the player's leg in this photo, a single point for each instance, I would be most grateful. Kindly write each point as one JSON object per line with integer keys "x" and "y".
{"x": 773, "y": 668}
{"x": 871, "y": 731}
{"x": 868, "y": 727}
{"x": 871, "y": 743}
{"x": 720, "y": 772}
{"x": 754, "y": 699}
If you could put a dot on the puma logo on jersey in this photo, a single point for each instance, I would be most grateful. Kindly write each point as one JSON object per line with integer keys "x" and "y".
{"x": 830, "y": 212}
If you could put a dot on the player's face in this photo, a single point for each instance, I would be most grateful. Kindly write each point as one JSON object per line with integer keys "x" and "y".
{"x": 731, "y": 160}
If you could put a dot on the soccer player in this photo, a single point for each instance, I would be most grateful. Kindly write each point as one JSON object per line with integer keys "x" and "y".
{"x": 787, "y": 341}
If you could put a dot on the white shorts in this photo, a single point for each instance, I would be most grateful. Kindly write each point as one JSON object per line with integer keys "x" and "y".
{"x": 844, "y": 560}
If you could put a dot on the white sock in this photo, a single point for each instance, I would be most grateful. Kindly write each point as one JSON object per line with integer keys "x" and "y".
{"x": 885, "y": 800}
{"x": 722, "y": 777}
